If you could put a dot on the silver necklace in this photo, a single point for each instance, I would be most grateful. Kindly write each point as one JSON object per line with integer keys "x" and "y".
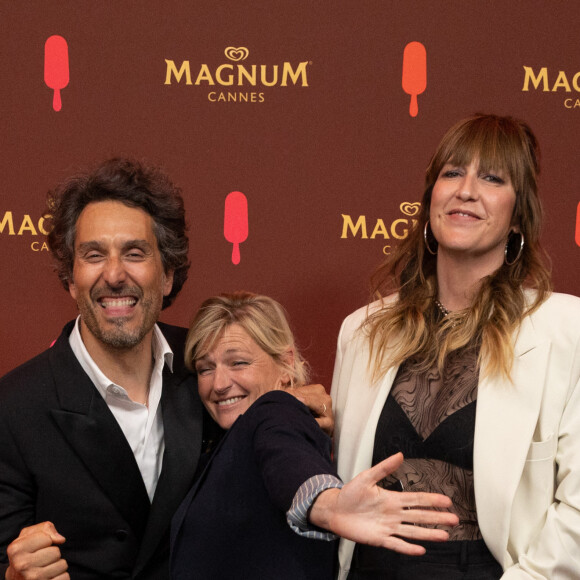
{"x": 442, "y": 308}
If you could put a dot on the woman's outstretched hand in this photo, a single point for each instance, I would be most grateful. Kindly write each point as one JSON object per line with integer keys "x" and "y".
{"x": 368, "y": 514}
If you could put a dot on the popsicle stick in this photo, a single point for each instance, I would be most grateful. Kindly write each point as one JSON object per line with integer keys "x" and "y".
{"x": 56, "y": 101}
{"x": 413, "y": 106}
{"x": 236, "y": 254}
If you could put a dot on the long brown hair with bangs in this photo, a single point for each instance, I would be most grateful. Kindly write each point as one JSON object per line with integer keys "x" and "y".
{"x": 410, "y": 326}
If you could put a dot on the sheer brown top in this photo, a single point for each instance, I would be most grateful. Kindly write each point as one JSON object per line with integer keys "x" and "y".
{"x": 430, "y": 418}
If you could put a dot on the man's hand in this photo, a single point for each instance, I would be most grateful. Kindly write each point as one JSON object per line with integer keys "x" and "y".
{"x": 35, "y": 554}
{"x": 365, "y": 513}
{"x": 319, "y": 402}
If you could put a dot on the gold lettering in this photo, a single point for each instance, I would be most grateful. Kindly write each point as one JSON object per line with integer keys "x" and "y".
{"x": 263, "y": 77}
{"x": 386, "y": 250}
{"x": 212, "y": 94}
{"x": 172, "y": 69}
{"x": 243, "y": 72}
{"x": 354, "y": 228}
{"x": 394, "y": 232}
{"x": 36, "y": 247}
{"x": 575, "y": 82}
{"x": 380, "y": 229}
{"x": 218, "y": 75}
{"x": 204, "y": 75}
{"x": 27, "y": 226}
{"x": 542, "y": 77}
{"x": 7, "y": 220}
{"x": 294, "y": 75}
{"x": 41, "y": 224}
{"x": 561, "y": 81}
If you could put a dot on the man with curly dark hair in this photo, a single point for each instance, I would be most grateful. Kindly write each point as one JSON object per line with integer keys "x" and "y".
{"x": 100, "y": 435}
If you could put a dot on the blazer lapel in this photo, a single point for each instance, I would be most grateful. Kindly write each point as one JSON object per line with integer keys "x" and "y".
{"x": 182, "y": 425}
{"x": 506, "y": 417}
{"x": 93, "y": 433}
{"x": 357, "y": 436}
{"x": 183, "y": 508}
{"x": 362, "y": 410}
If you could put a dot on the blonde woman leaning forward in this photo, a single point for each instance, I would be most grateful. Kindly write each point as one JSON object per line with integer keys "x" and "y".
{"x": 469, "y": 365}
{"x": 271, "y": 472}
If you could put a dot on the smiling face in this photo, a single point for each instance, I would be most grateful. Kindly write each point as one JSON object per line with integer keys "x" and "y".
{"x": 118, "y": 278}
{"x": 471, "y": 213}
{"x": 234, "y": 373}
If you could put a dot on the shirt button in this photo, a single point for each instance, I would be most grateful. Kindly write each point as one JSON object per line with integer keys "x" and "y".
{"x": 115, "y": 390}
{"x": 121, "y": 535}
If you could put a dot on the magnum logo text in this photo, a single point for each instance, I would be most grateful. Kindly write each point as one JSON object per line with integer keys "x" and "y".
{"x": 544, "y": 80}
{"x": 397, "y": 229}
{"x": 246, "y": 79}
{"x": 24, "y": 225}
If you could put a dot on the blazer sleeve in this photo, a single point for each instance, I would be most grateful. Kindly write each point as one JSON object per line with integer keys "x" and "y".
{"x": 555, "y": 551}
{"x": 288, "y": 445}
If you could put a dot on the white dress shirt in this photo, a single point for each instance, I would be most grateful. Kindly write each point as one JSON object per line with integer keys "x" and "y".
{"x": 141, "y": 424}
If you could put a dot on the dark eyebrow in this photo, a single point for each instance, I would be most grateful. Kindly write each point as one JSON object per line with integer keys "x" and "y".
{"x": 143, "y": 245}
{"x": 92, "y": 245}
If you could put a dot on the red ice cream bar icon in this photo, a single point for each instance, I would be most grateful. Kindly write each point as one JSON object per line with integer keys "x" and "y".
{"x": 236, "y": 222}
{"x": 56, "y": 67}
{"x": 414, "y": 73}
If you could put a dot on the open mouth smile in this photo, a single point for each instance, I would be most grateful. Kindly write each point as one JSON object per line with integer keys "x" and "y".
{"x": 117, "y": 302}
{"x": 230, "y": 401}
{"x": 463, "y": 213}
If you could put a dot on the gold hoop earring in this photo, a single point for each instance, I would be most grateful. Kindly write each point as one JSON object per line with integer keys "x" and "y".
{"x": 425, "y": 234}
{"x": 520, "y": 249}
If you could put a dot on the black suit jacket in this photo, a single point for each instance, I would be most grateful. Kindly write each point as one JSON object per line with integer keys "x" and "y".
{"x": 64, "y": 458}
{"x": 232, "y": 525}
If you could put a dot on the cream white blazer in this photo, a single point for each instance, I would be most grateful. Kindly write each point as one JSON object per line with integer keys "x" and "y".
{"x": 527, "y": 440}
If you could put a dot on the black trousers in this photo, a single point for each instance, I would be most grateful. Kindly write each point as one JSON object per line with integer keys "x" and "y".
{"x": 461, "y": 560}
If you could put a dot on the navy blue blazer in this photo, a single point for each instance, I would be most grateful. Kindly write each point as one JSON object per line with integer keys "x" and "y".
{"x": 233, "y": 522}
{"x": 64, "y": 458}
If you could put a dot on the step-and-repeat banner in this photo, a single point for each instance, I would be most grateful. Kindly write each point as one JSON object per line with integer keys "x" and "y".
{"x": 321, "y": 115}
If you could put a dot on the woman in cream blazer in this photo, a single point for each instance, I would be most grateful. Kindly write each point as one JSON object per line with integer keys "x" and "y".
{"x": 467, "y": 332}
{"x": 527, "y": 440}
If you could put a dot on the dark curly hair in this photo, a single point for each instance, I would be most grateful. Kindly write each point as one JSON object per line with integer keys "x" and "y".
{"x": 135, "y": 184}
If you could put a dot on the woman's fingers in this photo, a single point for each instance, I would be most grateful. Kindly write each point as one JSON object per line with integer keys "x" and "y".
{"x": 421, "y": 499}
{"x": 430, "y": 517}
{"x": 399, "y": 545}
{"x": 411, "y": 532}
{"x": 384, "y": 468}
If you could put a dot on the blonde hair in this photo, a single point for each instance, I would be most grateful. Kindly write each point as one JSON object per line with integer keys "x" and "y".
{"x": 411, "y": 326}
{"x": 261, "y": 317}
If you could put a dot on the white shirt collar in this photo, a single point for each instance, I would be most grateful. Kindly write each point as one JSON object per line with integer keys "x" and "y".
{"x": 161, "y": 353}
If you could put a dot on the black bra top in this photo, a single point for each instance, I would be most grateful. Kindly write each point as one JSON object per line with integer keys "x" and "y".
{"x": 451, "y": 441}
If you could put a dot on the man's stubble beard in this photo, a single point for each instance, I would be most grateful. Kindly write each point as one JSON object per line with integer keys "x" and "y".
{"x": 120, "y": 337}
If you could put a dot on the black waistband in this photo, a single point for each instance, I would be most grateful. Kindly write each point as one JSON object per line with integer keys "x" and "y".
{"x": 371, "y": 562}
{"x": 459, "y": 552}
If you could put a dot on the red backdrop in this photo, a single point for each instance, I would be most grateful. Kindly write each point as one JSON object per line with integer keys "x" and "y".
{"x": 332, "y": 140}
